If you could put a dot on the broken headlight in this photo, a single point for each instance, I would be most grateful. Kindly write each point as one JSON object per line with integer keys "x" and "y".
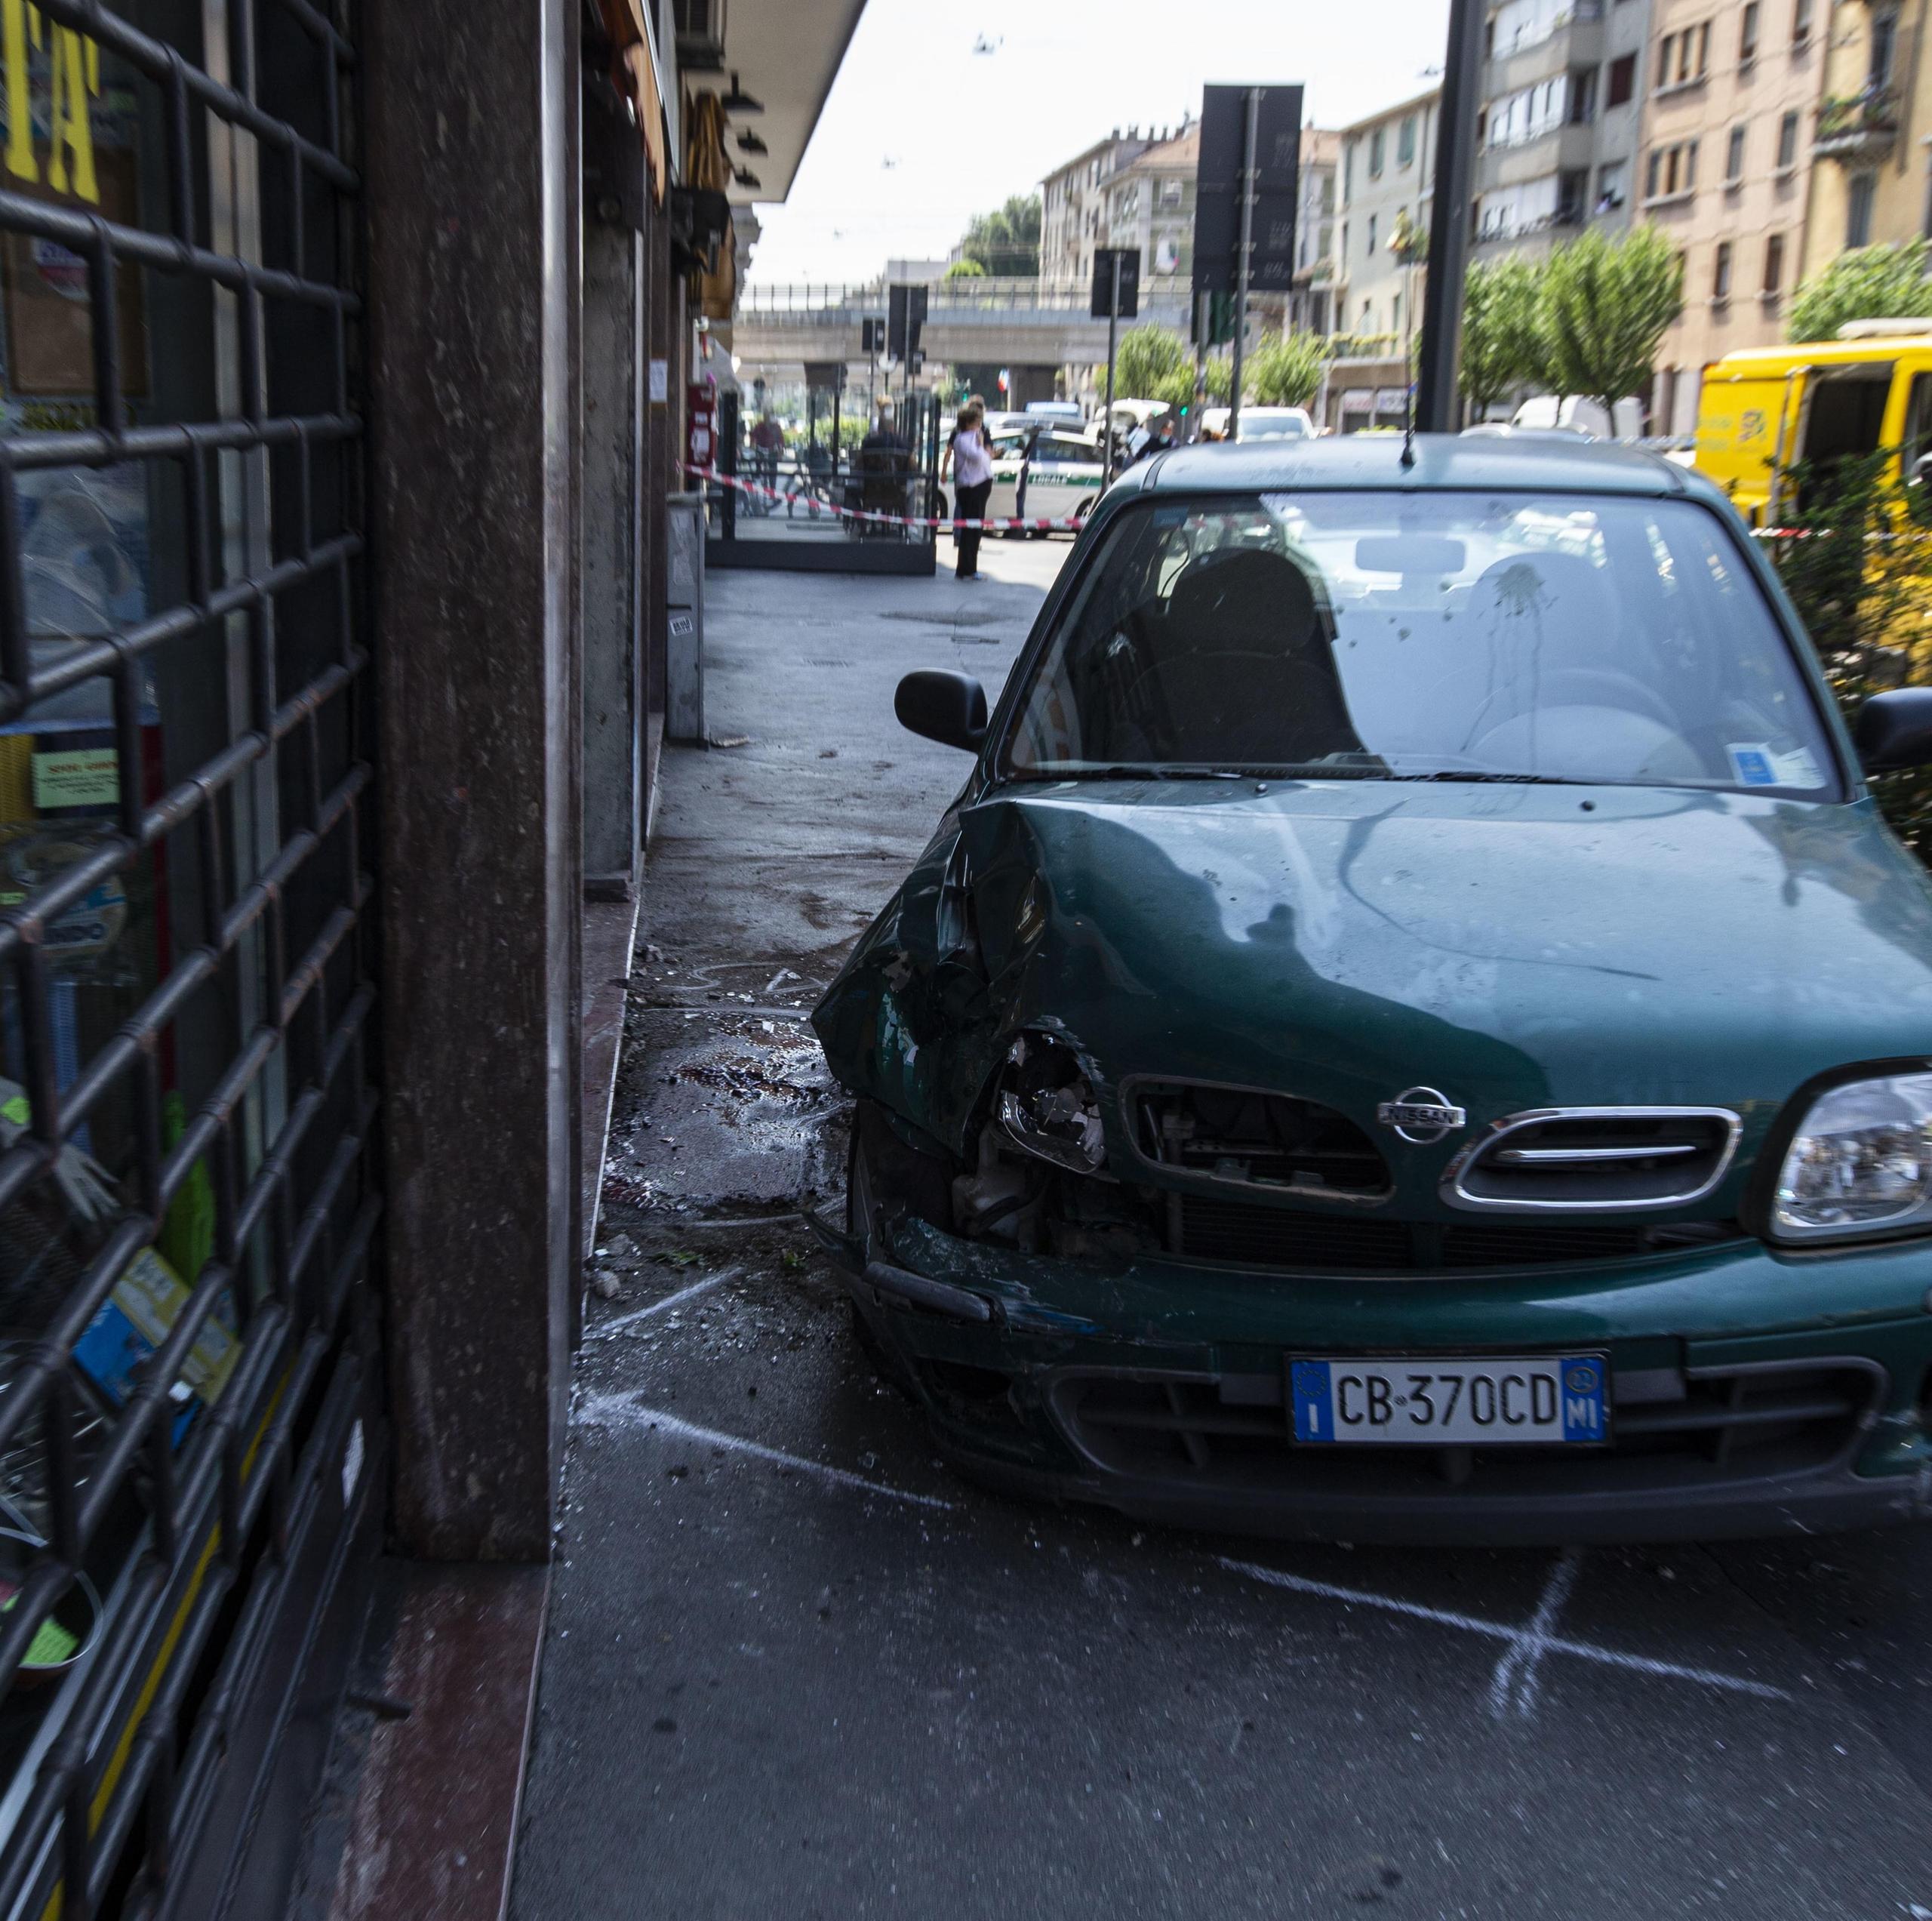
{"x": 1047, "y": 1105}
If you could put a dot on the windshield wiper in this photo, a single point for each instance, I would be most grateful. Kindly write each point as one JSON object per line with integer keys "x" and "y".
{"x": 1486, "y": 777}
{"x": 1138, "y": 770}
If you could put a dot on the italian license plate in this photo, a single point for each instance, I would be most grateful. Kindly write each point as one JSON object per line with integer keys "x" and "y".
{"x": 1439, "y": 1400}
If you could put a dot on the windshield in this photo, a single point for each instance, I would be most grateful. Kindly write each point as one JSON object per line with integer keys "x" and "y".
{"x": 1437, "y": 636}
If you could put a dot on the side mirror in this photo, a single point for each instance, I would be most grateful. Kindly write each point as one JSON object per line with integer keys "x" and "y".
{"x": 1894, "y": 729}
{"x": 947, "y": 707}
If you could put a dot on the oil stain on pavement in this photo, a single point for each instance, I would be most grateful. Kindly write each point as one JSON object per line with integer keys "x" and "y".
{"x": 795, "y": 1667}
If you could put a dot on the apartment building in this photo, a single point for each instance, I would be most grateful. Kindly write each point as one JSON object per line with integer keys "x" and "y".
{"x": 1563, "y": 85}
{"x": 1312, "y": 300}
{"x": 1149, "y": 204}
{"x": 1727, "y": 168}
{"x": 1871, "y": 138}
{"x": 1074, "y": 205}
{"x": 1388, "y": 174}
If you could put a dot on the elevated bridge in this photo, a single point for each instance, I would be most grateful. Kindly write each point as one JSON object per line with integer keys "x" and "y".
{"x": 777, "y": 330}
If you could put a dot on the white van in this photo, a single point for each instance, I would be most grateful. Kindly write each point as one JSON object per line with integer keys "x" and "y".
{"x": 1583, "y": 416}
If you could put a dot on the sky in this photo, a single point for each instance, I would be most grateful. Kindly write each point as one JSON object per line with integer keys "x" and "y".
{"x": 962, "y": 130}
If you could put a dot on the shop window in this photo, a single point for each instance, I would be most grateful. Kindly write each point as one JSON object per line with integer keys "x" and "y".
{"x": 186, "y": 971}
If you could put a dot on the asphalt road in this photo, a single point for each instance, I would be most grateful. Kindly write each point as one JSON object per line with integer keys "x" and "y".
{"x": 795, "y": 1668}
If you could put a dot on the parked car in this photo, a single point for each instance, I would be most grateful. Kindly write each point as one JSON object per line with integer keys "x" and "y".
{"x": 1045, "y": 474}
{"x": 1412, "y": 1026}
{"x": 1259, "y": 423}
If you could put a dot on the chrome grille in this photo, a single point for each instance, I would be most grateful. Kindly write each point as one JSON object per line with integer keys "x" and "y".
{"x": 1596, "y": 1158}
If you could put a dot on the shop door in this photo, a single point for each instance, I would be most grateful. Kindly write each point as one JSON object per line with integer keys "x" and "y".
{"x": 190, "y": 1419}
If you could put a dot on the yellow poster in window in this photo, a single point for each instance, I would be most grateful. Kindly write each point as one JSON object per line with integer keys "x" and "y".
{"x": 68, "y": 139}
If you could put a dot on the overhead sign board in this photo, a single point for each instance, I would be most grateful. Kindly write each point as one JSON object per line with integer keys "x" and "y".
{"x": 1101, "y": 305}
{"x": 1218, "y": 186}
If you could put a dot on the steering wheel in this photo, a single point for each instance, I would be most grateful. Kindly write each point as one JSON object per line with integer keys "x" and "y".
{"x": 1609, "y": 688}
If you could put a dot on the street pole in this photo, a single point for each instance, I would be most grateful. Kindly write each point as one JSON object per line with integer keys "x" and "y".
{"x": 1448, "y": 257}
{"x": 1203, "y": 306}
{"x": 1248, "y": 134}
{"x": 1113, "y": 345}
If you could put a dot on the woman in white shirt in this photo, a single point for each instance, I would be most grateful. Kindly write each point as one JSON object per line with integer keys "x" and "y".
{"x": 969, "y": 457}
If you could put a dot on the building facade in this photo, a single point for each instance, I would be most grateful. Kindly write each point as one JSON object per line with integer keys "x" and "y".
{"x": 1871, "y": 138}
{"x": 1563, "y": 87}
{"x": 1074, "y": 207}
{"x": 1388, "y": 174}
{"x": 1311, "y": 301}
{"x": 1148, "y": 204}
{"x": 1726, "y": 172}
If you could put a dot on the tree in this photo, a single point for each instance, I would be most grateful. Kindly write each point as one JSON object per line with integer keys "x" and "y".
{"x": 1006, "y": 241}
{"x": 1286, "y": 370}
{"x": 1868, "y": 283}
{"x": 1502, "y": 331}
{"x": 1605, "y": 305}
{"x": 965, "y": 270}
{"x": 1153, "y": 363}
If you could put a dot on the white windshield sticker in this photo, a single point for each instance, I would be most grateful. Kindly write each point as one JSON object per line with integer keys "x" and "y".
{"x": 1757, "y": 764}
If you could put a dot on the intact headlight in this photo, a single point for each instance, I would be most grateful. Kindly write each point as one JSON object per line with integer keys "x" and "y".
{"x": 1047, "y": 1105}
{"x": 1861, "y": 1162}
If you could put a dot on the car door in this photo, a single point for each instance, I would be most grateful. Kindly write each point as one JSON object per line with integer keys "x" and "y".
{"x": 1066, "y": 472}
{"x": 1009, "y": 452}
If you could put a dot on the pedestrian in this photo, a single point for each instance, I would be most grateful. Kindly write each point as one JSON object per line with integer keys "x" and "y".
{"x": 970, "y": 459}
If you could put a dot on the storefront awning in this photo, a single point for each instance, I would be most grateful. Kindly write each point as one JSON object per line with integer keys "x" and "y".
{"x": 636, "y": 75}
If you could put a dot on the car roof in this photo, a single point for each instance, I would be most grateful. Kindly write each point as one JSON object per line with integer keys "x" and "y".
{"x": 1512, "y": 462}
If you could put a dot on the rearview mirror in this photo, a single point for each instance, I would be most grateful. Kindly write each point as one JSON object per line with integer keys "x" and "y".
{"x": 945, "y": 706}
{"x": 1894, "y": 729}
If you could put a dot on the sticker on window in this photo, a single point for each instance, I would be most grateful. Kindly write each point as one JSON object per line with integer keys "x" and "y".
{"x": 1756, "y": 764}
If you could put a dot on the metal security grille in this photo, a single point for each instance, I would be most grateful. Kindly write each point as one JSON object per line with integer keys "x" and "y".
{"x": 187, "y": 1343}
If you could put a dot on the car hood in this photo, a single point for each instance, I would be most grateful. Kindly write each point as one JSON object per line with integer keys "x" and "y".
{"x": 1512, "y": 946}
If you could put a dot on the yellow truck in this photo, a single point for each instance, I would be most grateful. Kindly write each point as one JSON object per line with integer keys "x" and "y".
{"x": 1763, "y": 412}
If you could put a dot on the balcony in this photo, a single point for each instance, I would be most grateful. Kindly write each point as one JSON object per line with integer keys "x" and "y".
{"x": 1558, "y": 149}
{"x": 1858, "y": 129}
{"x": 1577, "y": 41}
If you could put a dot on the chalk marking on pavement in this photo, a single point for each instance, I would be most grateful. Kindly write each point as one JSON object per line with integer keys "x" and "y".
{"x": 622, "y": 1410}
{"x": 1516, "y": 1671}
{"x": 604, "y": 1329}
{"x": 1501, "y": 1631}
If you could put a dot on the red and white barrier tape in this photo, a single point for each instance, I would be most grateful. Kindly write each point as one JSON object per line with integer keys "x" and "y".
{"x": 943, "y": 522}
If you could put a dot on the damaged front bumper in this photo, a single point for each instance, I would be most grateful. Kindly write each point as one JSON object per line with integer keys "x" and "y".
{"x": 1156, "y": 1388}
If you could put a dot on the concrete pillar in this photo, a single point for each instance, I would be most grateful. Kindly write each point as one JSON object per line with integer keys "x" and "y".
{"x": 613, "y": 598}
{"x": 470, "y": 113}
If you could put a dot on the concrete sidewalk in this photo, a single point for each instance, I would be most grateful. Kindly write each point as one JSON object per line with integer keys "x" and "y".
{"x": 795, "y": 1669}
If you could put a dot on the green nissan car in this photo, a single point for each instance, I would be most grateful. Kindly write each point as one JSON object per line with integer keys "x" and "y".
{"x": 1414, "y": 1027}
